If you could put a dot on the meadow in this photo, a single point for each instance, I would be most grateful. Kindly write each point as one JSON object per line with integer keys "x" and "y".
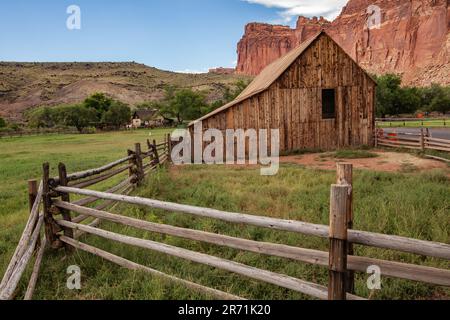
{"x": 407, "y": 204}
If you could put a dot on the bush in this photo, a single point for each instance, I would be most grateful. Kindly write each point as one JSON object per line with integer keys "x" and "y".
{"x": 2, "y": 123}
{"x": 393, "y": 100}
{"x": 118, "y": 115}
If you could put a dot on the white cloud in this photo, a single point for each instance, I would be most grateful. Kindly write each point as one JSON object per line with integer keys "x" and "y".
{"x": 330, "y": 9}
{"x": 189, "y": 71}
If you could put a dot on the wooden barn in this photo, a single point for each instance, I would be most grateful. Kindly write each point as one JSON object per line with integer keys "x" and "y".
{"x": 316, "y": 95}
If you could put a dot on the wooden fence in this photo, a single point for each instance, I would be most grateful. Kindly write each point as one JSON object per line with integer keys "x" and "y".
{"x": 138, "y": 164}
{"x": 421, "y": 141}
{"x": 65, "y": 221}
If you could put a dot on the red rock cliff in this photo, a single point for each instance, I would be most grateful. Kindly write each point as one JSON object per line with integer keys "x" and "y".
{"x": 413, "y": 39}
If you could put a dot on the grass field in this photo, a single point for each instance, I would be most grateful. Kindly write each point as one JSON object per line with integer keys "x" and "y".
{"x": 415, "y": 124}
{"x": 414, "y": 205}
{"x": 21, "y": 159}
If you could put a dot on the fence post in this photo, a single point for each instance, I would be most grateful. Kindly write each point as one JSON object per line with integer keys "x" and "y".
{"x": 376, "y": 137}
{"x": 139, "y": 164}
{"x": 51, "y": 228}
{"x": 32, "y": 192}
{"x": 345, "y": 178}
{"x": 422, "y": 139}
{"x": 337, "y": 281}
{"x": 155, "y": 150}
{"x": 32, "y": 195}
{"x": 66, "y": 198}
{"x": 169, "y": 148}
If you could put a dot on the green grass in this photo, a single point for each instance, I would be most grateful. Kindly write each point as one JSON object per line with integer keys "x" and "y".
{"x": 415, "y": 124}
{"x": 350, "y": 154}
{"x": 21, "y": 159}
{"x": 412, "y": 205}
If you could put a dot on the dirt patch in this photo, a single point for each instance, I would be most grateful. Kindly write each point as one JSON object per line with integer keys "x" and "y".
{"x": 386, "y": 161}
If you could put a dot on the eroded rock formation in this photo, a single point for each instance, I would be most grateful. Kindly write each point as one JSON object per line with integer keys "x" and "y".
{"x": 413, "y": 39}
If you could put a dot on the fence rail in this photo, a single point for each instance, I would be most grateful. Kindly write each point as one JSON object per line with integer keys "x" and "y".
{"x": 422, "y": 141}
{"x": 65, "y": 221}
{"x": 42, "y": 210}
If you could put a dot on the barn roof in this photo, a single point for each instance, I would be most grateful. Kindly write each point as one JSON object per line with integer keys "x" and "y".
{"x": 146, "y": 114}
{"x": 267, "y": 77}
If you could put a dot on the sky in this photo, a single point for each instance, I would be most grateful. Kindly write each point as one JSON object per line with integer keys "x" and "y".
{"x": 175, "y": 35}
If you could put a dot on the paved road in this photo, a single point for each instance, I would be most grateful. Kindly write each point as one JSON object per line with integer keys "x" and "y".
{"x": 439, "y": 133}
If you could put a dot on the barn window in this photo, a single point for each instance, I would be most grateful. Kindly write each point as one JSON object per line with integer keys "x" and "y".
{"x": 328, "y": 104}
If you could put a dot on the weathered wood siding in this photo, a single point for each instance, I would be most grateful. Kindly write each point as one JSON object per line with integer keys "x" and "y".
{"x": 293, "y": 103}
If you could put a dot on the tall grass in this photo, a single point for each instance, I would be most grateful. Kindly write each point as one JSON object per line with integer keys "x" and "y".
{"x": 412, "y": 205}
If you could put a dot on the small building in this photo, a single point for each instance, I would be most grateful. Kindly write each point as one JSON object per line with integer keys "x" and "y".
{"x": 147, "y": 118}
{"x": 316, "y": 95}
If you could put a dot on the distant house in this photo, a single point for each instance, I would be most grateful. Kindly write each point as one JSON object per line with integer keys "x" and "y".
{"x": 149, "y": 118}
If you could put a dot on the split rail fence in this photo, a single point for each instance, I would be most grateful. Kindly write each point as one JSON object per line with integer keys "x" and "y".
{"x": 421, "y": 141}
{"x": 65, "y": 221}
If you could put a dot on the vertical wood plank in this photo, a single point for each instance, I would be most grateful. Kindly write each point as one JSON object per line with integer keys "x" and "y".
{"x": 345, "y": 178}
{"x": 66, "y": 198}
{"x": 337, "y": 283}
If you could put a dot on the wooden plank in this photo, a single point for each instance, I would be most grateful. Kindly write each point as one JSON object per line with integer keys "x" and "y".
{"x": 438, "y": 148}
{"x": 93, "y": 172}
{"x": 36, "y": 269}
{"x": 90, "y": 200}
{"x": 420, "y": 247}
{"x": 446, "y": 141}
{"x": 438, "y": 158}
{"x": 25, "y": 237}
{"x": 7, "y": 291}
{"x": 345, "y": 178}
{"x": 96, "y": 180}
{"x": 281, "y": 280}
{"x": 65, "y": 197}
{"x": 399, "y": 143}
{"x": 134, "y": 266}
{"x": 383, "y": 144}
{"x": 360, "y": 264}
{"x": 337, "y": 283}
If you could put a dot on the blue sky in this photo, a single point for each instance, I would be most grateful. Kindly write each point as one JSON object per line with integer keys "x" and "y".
{"x": 177, "y": 35}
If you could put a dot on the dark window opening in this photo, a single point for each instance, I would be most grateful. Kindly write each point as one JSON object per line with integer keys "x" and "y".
{"x": 328, "y": 104}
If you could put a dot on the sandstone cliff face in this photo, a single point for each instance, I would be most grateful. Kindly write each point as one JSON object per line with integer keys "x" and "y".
{"x": 413, "y": 39}
{"x": 264, "y": 43}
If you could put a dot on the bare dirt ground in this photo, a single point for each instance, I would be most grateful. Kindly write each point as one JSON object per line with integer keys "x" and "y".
{"x": 386, "y": 161}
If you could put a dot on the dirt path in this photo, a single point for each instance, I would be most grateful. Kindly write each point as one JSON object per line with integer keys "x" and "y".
{"x": 386, "y": 161}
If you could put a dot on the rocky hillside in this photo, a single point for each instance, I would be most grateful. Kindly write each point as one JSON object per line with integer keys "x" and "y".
{"x": 28, "y": 85}
{"x": 413, "y": 39}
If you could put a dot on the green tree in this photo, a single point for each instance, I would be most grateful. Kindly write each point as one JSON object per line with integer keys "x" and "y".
{"x": 387, "y": 92}
{"x": 42, "y": 118}
{"x": 99, "y": 102}
{"x": 185, "y": 105}
{"x": 232, "y": 93}
{"x": 77, "y": 116}
{"x": 2, "y": 123}
{"x": 441, "y": 103}
{"x": 118, "y": 115}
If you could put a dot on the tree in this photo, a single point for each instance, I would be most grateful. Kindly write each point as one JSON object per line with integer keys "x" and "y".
{"x": 441, "y": 102}
{"x": 42, "y": 118}
{"x": 118, "y": 115}
{"x": 99, "y": 102}
{"x": 185, "y": 105}
{"x": 387, "y": 91}
{"x": 230, "y": 94}
{"x": 2, "y": 123}
{"x": 77, "y": 116}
